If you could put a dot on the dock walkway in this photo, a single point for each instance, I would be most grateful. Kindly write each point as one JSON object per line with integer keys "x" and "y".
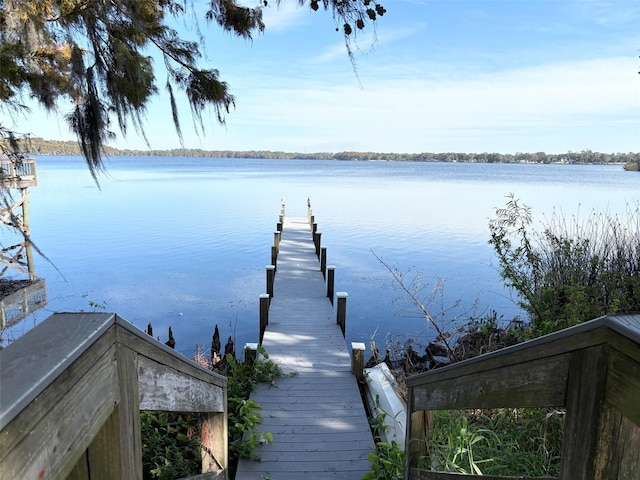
{"x": 319, "y": 425}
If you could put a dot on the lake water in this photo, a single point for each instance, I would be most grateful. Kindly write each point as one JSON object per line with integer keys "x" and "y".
{"x": 184, "y": 241}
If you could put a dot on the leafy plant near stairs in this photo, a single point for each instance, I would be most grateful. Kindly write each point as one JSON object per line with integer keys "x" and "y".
{"x": 170, "y": 445}
{"x": 244, "y": 414}
{"x": 387, "y": 461}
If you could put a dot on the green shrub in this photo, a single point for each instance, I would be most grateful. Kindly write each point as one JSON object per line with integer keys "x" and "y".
{"x": 510, "y": 442}
{"x": 572, "y": 271}
{"x": 170, "y": 445}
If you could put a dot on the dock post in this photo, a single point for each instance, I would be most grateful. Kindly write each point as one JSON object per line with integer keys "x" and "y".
{"x": 251, "y": 353}
{"x": 314, "y": 227}
{"x": 279, "y": 227}
{"x": 274, "y": 256}
{"x": 323, "y": 261}
{"x": 271, "y": 270}
{"x": 357, "y": 360}
{"x": 316, "y": 239}
{"x": 331, "y": 275}
{"x": 341, "y": 316}
{"x": 264, "y": 313}
{"x": 312, "y": 219}
{"x": 276, "y": 240}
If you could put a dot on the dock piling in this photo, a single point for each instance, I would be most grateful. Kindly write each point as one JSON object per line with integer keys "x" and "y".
{"x": 323, "y": 262}
{"x": 331, "y": 275}
{"x": 357, "y": 360}
{"x": 316, "y": 240}
{"x": 341, "y": 315}
{"x": 271, "y": 271}
{"x": 264, "y": 313}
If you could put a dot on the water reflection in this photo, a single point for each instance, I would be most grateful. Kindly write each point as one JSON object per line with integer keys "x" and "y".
{"x": 184, "y": 242}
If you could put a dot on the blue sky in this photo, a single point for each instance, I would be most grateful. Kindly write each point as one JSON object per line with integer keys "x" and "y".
{"x": 440, "y": 75}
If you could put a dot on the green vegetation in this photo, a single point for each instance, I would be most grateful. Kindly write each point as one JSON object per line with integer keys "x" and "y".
{"x": 171, "y": 441}
{"x": 633, "y": 166}
{"x": 244, "y": 414}
{"x": 39, "y": 146}
{"x": 92, "y": 60}
{"x": 571, "y": 271}
{"x": 387, "y": 461}
{"x": 512, "y": 442}
{"x": 170, "y": 445}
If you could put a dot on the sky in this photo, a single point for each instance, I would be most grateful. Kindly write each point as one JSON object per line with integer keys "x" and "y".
{"x": 501, "y": 76}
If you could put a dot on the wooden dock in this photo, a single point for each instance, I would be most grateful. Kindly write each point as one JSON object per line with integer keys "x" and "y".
{"x": 316, "y": 416}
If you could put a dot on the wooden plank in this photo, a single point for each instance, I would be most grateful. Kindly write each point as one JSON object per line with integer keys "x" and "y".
{"x": 28, "y": 419}
{"x": 163, "y": 388}
{"x": 213, "y": 436}
{"x": 537, "y": 383}
{"x": 126, "y": 433}
{"x": 565, "y": 341}
{"x": 623, "y": 385}
{"x": 64, "y": 337}
{"x": 585, "y": 398}
{"x": 158, "y": 352}
{"x": 618, "y": 457}
{"x": 62, "y": 429}
{"x": 628, "y": 450}
{"x": 588, "y": 334}
{"x": 316, "y": 417}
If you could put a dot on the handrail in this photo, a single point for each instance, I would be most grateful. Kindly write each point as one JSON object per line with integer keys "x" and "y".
{"x": 18, "y": 173}
{"x": 592, "y": 370}
{"x": 72, "y": 391}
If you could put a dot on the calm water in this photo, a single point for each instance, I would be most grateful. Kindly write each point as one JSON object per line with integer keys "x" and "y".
{"x": 184, "y": 242}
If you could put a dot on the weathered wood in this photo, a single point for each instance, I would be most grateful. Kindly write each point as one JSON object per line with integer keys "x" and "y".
{"x": 22, "y": 361}
{"x": 536, "y": 383}
{"x": 618, "y": 457}
{"x": 77, "y": 413}
{"x": 140, "y": 342}
{"x": 585, "y": 396}
{"x": 63, "y": 429}
{"x": 592, "y": 369}
{"x": 316, "y": 417}
{"x": 357, "y": 360}
{"x": 163, "y": 388}
{"x": 213, "y": 435}
{"x": 623, "y": 385}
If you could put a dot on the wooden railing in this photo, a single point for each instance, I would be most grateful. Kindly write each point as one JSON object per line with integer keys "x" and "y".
{"x": 71, "y": 394}
{"x": 592, "y": 370}
{"x": 18, "y": 174}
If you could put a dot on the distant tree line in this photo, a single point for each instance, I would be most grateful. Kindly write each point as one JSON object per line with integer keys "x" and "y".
{"x": 631, "y": 160}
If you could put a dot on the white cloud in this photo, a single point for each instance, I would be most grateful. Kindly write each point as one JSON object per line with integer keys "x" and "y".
{"x": 283, "y": 17}
{"x": 393, "y": 112}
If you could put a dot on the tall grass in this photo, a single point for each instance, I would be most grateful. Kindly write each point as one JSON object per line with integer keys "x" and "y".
{"x": 573, "y": 269}
{"x": 510, "y": 442}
